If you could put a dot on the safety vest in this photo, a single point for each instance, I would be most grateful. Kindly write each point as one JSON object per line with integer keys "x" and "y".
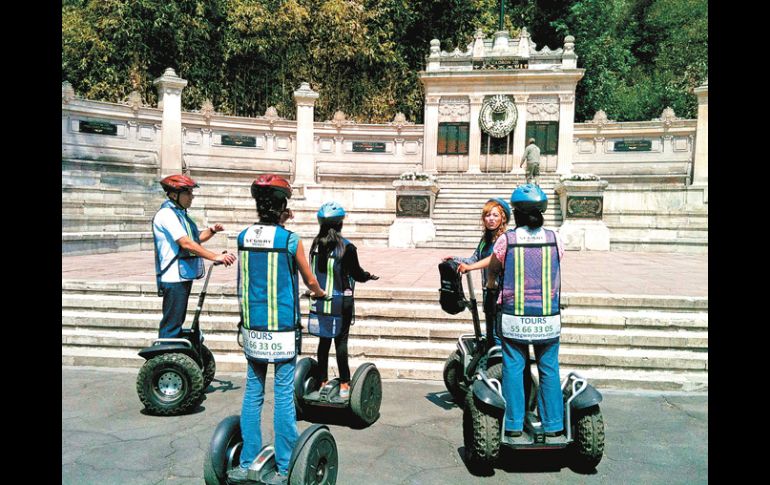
{"x": 531, "y": 287}
{"x": 325, "y": 317}
{"x": 268, "y": 294}
{"x": 190, "y": 266}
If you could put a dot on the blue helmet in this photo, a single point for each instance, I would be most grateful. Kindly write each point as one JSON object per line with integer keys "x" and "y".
{"x": 505, "y": 206}
{"x": 528, "y": 197}
{"x": 330, "y": 212}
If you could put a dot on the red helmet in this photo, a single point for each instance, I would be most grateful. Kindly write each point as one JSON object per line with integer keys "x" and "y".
{"x": 177, "y": 183}
{"x": 271, "y": 184}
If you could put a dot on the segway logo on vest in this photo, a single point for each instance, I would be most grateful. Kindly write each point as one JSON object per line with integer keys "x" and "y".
{"x": 259, "y": 237}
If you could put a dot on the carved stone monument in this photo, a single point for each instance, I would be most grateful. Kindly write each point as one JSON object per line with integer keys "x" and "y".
{"x": 582, "y": 203}
{"x": 415, "y": 199}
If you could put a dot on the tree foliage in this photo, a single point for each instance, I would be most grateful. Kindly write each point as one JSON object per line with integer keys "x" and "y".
{"x": 364, "y": 56}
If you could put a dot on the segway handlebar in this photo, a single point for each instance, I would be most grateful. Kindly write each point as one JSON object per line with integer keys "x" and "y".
{"x": 473, "y": 307}
{"x": 309, "y": 295}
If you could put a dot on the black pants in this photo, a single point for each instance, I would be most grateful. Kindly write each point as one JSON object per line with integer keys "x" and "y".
{"x": 341, "y": 349}
{"x": 175, "y": 297}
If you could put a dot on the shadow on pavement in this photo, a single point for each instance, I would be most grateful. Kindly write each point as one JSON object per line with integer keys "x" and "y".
{"x": 441, "y": 399}
{"x": 222, "y": 386}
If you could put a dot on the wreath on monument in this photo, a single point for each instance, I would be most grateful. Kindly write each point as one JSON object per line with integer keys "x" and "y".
{"x": 498, "y": 105}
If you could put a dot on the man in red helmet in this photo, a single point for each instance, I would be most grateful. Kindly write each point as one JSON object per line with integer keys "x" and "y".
{"x": 178, "y": 252}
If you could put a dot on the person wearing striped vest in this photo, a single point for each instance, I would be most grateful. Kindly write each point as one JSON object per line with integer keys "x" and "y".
{"x": 334, "y": 261}
{"x": 178, "y": 252}
{"x": 529, "y": 258}
{"x": 269, "y": 261}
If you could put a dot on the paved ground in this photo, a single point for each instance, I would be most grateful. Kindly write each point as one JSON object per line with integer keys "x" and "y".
{"x": 582, "y": 271}
{"x": 106, "y": 439}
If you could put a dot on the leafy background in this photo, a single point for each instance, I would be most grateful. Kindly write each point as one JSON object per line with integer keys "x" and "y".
{"x": 363, "y": 56}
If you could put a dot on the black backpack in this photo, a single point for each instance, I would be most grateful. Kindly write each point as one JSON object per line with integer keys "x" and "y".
{"x": 451, "y": 295}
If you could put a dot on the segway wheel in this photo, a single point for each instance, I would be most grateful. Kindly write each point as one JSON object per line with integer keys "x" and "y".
{"x": 481, "y": 429}
{"x": 453, "y": 378}
{"x": 305, "y": 381}
{"x": 224, "y": 451}
{"x": 209, "y": 366}
{"x": 317, "y": 460}
{"x": 588, "y": 446}
{"x": 170, "y": 384}
{"x": 366, "y": 394}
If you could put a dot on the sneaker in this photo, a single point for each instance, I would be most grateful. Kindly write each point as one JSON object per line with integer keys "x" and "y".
{"x": 553, "y": 434}
{"x": 512, "y": 434}
{"x": 275, "y": 478}
{"x": 344, "y": 390}
{"x": 238, "y": 475}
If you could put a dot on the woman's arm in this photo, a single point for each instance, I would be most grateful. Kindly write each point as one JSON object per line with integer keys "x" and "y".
{"x": 307, "y": 275}
{"x": 464, "y": 268}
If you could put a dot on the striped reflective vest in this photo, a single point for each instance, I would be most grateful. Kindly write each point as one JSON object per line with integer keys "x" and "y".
{"x": 325, "y": 318}
{"x": 268, "y": 293}
{"x": 190, "y": 266}
{"x": 531, "y": 287}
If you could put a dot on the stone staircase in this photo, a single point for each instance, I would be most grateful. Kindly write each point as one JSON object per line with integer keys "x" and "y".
{"x": 684, "y": 230}
{"x": 457, "y": 213}
{"x": 617, "y": 341}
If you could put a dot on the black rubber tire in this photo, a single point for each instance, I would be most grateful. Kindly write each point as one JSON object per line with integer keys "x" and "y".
{"x": 454, "y": 380}
{"x": 224, "y": 451}
{"x": 177, "y": 366}
{"x": 366, "y": 394}
{"x": 305, "y": 380}
{"x": 587, "y": 448}
{"x": 209, "y": 366}
{"x": 317, "y": 462}
{"x": 481, "y": 429}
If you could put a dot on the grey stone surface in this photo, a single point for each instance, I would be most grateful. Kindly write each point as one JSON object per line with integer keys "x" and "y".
{"x": 651, "y": 438}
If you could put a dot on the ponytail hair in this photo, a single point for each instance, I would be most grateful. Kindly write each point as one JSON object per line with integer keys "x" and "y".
{"x": 531, "y": 219}
{"x": 329, "y": 241}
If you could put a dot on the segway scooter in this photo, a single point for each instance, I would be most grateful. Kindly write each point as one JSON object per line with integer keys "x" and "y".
{"x": 365, "y": 391}
{"x": 313, "y": 460}
{"x": 483, "y": 419}
{"x": 177, "y": 370}
{"x": 472, "y": 351}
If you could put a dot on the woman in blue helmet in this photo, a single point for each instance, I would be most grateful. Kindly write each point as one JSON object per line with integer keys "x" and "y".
{"x": 334, "y": 261}
{"x": 494, "y": 217}
{"x": 528, "y": 258}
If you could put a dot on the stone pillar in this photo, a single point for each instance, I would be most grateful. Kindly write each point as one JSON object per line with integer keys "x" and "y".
{"x": 520, "y": 131}
{"x": 700, "y": 169}
{"x": 582, "y": 203}
{"x": 431, "y": 134}
{"x": 414, "y": 211}
{"x": 304, "y": 161}
{"x": 566, "y": 133}
{"x": 474, "y": 136}
{"x": 170, "y": 88}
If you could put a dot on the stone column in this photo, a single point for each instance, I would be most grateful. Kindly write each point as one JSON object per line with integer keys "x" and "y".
{"x": 566, "y": 132}
{"x": 431, "y": 134}
{"x": 170, "y": 88}
{"x": 582, "y": 203}
{"x": 415, "y": 200}
{"x": 700, "y": 169}
{"x": 474, "y": 136}
{"x": 304, "y": 162}
{"x": 520, "y": 131}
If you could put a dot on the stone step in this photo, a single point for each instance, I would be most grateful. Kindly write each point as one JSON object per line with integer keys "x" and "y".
{"x": 683, "y": 235}
{"x": 601, "y": 378}
{"x": 584, "y": 301}
{"x": 679, "y": 245}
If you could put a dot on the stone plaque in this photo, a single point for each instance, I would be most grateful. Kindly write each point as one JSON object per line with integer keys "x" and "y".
{"x": 586, "y": 207}
{"x": 239, "y": 140}
{"x": 369, "y": 146}
{"x": 412, "y": 206}
{"x": 98, "y": 127}
{"x": 633, "y": 146}
{"x": 501, "y": 63}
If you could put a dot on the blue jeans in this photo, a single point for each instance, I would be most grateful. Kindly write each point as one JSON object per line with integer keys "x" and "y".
{"x": 284, "y": 415}
{"x": 549, "y": 398}
{"x": 175, "y": 297}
